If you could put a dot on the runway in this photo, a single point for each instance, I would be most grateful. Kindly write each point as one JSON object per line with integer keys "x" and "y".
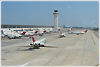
{"x": 72, "y": 50}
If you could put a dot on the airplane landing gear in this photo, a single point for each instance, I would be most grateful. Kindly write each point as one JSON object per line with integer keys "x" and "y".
{"x": 42, "y": 45}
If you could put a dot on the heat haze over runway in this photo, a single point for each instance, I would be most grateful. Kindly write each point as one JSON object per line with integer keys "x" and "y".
{"x": 72, "y": 50}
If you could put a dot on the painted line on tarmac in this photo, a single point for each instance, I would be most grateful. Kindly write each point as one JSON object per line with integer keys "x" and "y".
{"x": 87, "y": 58}
{"x": 97, "y": 65}
{"x": 94, "y": 43}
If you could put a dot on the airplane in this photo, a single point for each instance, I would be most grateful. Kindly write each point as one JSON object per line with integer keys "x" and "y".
{"x": 44, "y": 31}
{"x": 40, "y": 32}
{"x": 13, "y": 35}
{"x": 2, "y": 34}
{"x": 61, "y": 34}
{"x": 47, "y": 31}
{"x": 70, "y": 28}
{"x": 39, "y": 42}
{"x": 30, "y": 33}
{"x": 77, "y": 32}
{"x": 54, "y": 31}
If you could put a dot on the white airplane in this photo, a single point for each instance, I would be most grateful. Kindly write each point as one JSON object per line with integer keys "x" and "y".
{"x": 2, "y": 34}
{"x": 15, "y": 35}
{"x": 47, "y": 31}
{"x": 54, "y": 31}
{"x": 34, "y": 32}
{"x": 12, "y": 34}
{"x": 70, "y": 28}
{"x": 61, "y": 34}
{"x": 39, "y": 42}
{"x": 77, "y": 32}
{"x": 40, "y": 32}
{"x": 50, "y": 30}
{"x": 30, "y": 33}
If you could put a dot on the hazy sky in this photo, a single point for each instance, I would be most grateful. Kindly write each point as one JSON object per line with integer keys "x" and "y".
{"x": 71, "y": 13}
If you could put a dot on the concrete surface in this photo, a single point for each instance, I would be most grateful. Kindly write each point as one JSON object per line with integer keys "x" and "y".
{"x": 72, "y": 50}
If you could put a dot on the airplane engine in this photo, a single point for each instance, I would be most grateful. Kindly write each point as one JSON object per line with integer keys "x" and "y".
{"x": 11, "y": 37}
{"x": 31, "y": 44}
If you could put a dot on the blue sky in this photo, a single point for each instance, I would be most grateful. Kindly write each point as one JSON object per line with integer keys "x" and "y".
{"x": 71, "y": 13}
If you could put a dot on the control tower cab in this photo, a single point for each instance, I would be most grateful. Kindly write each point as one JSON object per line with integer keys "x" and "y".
{"x": 55, "y": 19}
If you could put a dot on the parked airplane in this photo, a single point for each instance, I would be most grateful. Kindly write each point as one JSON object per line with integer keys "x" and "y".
{"x": 30, "y": 33}
{"x": 2, "y": 34}
{"x": 47, "y": 31}
{"x": 54, "y": 31}
{"x": 40, "y": 32}
{"x": 14, "y": 35}
{"x": 44, "y": 31}
{"x": 77, "y": 32}
{"x": 61, "y": 34}
{"x": 39, "y": 42}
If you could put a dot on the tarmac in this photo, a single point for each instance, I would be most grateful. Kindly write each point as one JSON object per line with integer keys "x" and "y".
{"x": 72, "y": 50}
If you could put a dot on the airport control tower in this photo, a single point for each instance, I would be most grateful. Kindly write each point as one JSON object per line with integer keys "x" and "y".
{"x": 55, "y": 19}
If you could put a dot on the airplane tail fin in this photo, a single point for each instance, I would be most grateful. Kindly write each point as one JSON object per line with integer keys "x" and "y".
{"x": 33, "y": 39}
{"x": 44, "y": 31}
{"x": 23, "y": 33}
{"x": 85, "y": 31}
{"x": 58, "y": 29}
{"x": 60, "y": 32}
{"x": 35, "y": 32}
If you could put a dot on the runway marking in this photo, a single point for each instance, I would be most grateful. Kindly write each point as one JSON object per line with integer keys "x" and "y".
{"x": 97, "y": 65}
{"x": 87, "y": 58}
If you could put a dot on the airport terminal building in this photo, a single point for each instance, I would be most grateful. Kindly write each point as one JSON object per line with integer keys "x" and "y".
{"x": 24, "y": 26}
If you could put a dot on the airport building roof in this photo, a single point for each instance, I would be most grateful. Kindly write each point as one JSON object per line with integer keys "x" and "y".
{"x": 24, "y": 26}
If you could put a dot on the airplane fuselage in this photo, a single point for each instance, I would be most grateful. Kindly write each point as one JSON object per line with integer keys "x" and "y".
{"x": 39, "y": 42}
{"x": 62, "y": 35}
{"x": 76, "y": 32}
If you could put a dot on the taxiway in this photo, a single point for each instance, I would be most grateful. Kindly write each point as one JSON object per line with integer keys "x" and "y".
{"x": 72, "y": 50}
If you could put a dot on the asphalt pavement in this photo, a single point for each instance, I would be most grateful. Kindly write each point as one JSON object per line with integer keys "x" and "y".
{"x": 72, "y": 50}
